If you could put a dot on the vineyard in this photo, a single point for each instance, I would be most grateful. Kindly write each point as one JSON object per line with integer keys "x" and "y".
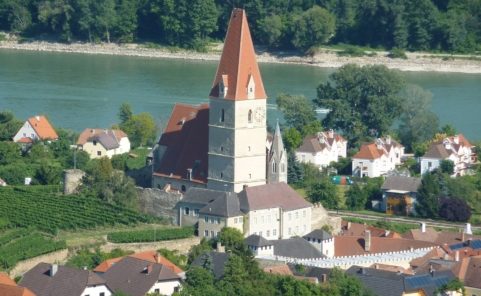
{"x": 21, "y": 244}
{"x": 150, "y": 235}
{"x": 47, "y": 211}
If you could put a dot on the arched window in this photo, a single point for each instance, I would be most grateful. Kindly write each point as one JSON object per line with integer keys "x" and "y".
{"x": 249, "y": 116}
{"x": 222, "y": 115}
{"x": 274, "y": 167}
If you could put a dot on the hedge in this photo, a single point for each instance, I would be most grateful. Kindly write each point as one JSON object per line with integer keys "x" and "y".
{"x": 150, "y": 235}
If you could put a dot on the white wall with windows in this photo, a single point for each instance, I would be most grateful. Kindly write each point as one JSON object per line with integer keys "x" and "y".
{"x": 100, "y": 290}
{"x": 296, "y": 222}
{"x": 165, "y": 287}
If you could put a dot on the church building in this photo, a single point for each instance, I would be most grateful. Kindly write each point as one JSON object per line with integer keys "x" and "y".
{"x": 222, "y": 145}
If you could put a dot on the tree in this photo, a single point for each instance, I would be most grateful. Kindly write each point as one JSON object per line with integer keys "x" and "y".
{"x": 356, "y": 198}
{"x": 125, "y": 113}
{"x": 9, "y": 153}
{"x": 448, "y": 130}
{"x": 105, "y": 16}
{"x": 454, "y": 209}
{"x": 271, "y": 30}
{"x": 200, "y": 20}
{"x": 427, "y": 198}
{"x": 233, "y": 240}
{"x": 447, "y": 166}
{"x": 313, "y": 27}
{"x": 295, "y": 171}
{"x": 126, "y": 23}
{"x": 297, "y": 110}
{"x": 417, "y": 123}
{"x": 9, "y": 125}
{"x": 343, "y": 284}
{"x": 292, "y": 139}
{"x": 199, "y": 282}
{"x": 140, "y": 127}
{"x": 48, "y": 173}
{"x": 364, "y": 101}
{"x": 324, "y": 192}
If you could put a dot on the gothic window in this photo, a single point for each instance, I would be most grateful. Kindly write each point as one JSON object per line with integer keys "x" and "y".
{"x": 249, "y": 116}
{"x": 274, "y": 167}
{"x": 222, "y": 115}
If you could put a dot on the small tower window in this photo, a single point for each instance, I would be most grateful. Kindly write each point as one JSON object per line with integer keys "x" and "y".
{"x": 274, "y": 167}
{"x": 222, "y": 115}
{"x": 283, "y": 168}
{"x": 249, "y": 116}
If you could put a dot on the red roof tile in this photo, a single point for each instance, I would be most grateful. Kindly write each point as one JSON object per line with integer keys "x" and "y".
{"x": 43, "y": 128}
{"x": 8, "y": 287}
{"x": 186, "y": 139}
{"x": 369, "y": 151}
{"x": 238, "y": 61}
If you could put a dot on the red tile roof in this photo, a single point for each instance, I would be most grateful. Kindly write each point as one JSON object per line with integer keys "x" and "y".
{"x": 278, "y": 269}
{"x": 8, "y": 287}
{"x": 25, "y": 140}
{"x": 43, "y": 128}
{"x": 186, "y": 139}
{"x": 468, "y": 270}
{"x": 88, "y": 133}
{"x": 369, "y": 151}
{"x": 270, "y": 196}
{"x": 238, "y": 61}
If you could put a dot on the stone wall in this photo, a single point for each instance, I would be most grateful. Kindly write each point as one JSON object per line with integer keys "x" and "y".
{"x": 72, "y": 180}
{"x": 320, "y": 218}
{"x": 181, "y": 245}
{"x": 25, "y": 265}
{"x": 158, "y": 202}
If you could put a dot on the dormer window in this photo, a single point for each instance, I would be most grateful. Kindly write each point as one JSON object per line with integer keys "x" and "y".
{"x": 251, "y": 88}
{"x": 223, "y": 87}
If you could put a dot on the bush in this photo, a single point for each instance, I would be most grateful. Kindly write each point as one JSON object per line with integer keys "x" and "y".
{"x": 352, "y": 51}
{"x": 454, "y": 209}
{"x": 398, "y": 53}
{"x": 150, "y": 235}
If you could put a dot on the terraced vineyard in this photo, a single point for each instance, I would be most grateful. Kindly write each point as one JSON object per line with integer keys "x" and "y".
{"x": 20, "y": 244}
{"x": 48, "y": 211}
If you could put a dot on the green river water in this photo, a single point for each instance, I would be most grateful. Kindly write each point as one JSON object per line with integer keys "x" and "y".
{"x": 78, "y": 91}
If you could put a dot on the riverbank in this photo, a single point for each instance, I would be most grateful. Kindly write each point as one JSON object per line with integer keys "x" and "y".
{"x": 327, "y": 58}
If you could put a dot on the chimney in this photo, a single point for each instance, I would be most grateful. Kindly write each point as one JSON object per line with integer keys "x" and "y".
{"x": 463, "y": 236}
{"x": 244, "y": 187}
{"x": 456, "y": 256}
{"x": 220, "y": 248}
{"x": 349, "y": 225}
{"x": 331, "y": 133}
{"x": 388, "y": 140}
{"x": 376, "y": 266}
{"x": 323, "y": 278}
{"x": 157, "y": 257}
{"x": 189, "y": 174}
{"x": 367, "y": 241}
{"x": 53, "y": 270}
{"x": 423, "y": 227}
{"x": 37, "y": 117}
{"x": 456, "y": 139}
{"x": 468, "y": 229}
{"x": 362, "y": 270}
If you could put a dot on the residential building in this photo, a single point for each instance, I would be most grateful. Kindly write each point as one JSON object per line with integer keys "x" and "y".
{"x": 294, "y": 247}
{"x": 378, "y": 158}
{"x": 137, "y": 277}
{"x": 271, "y": 210}
{"x": 8, "y": 287}
{"x": 322, "y": 240}
{"x": 322, "y": 148}
{"x": 222, "y": 145}
{"x": 52, "y": 279}
{"x": 103, "y": 142}
{"x": 456, "y": 148}
{"x": 399, "y": 195}
{"x": 36, "y": 128}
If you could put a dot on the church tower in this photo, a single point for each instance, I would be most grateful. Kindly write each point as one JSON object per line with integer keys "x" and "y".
{"x": 237, "y": 115}
{"x": 277, "y": 159}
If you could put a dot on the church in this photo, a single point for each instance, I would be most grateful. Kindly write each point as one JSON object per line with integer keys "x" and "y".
{"x": 223, "y": 145}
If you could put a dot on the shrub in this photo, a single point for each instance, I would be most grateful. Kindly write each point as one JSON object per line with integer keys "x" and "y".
{"x": 352, "y": 51}
{"x": 150, "y": 235}
{"x": 398, "y": 53}
{"x": 454, "y": 209}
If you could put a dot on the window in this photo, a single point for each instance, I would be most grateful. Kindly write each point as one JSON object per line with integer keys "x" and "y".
{"x": 221, "y": 175}
{"x": 248, "y": 148}
{"x": 274, "y": 167}
{"x": 250, "y": 176}
{"x": 430, "y": 164}
{"x": 222, "y": 148}
{"x": 102, "y": 294}
{"x": 206, "y": 233}
{"x": 95, "y": 143}
{"x": 297, "y": 215}
{"x": 183, "y": 188}
{"x": 99, "y": 153}
{"x": 186, "y": 211}
{"x": 274, "y": 232}
{"x": 304, "y": 213}
{"x": 206, "y": 219}
{"x": 222, "y": 115}
{"x": 217, "y": 221}
{"x": 24, "y": 134}
{"x": 196, "y": 212}
{"x": 249, "y": 116}
{"x": 268, "y": 233}
{"x": 211, "y": 220}
{"x": 157, "y": 290}
{"x": 212, "y": 234}
{"x": 235, "y": 220}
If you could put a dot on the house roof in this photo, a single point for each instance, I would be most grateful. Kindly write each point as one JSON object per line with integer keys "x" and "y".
{"x": 369, "y": 151}
{"x": 354, "y": 245}
{"x": 469, "y": 271}
{"x": 271, "y": 196}
{"x": 278, "y": 269}
{"x": 358, "y": 229}
{"x": 8, "y": 287}
{"x": 257, "y": 241}
{"x": 186, "y": 138}
{"x": 109, "y": 138}
{"x": 150, "y": 256}
{"x": 427, "y": 282}
{"x": 277, "y": 148}
{"x": 319, "y": 234}
{"x": 381, "y": 282}
{"x": 201, "y": 196}
{"x": 217, "y": 261}
{"x": 238, "y": 62}
{"x": 25, "y": 140}
{"x": 66, "y": 281}
{"x": 136, "y": 276}
{"x": 226, "y": 205}
{"x": 438, "y": 237}
{"x": 43, "y": 128}
{"x": 409, "y": 184}
{"x": 437, "y": 151}
{"x": 295, "y": 247}
{"x": 317, "y": 143}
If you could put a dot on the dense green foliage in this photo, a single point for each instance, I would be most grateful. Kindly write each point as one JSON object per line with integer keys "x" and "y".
{"x": 140, "y": 127}
{"x": 150, "y": 235}
{"x": 85, "y": 258}
{"x": 21, "y": 244}
{"x": 50, "y": 212}
{"x": 393, "y": 226}
{"x": 449, "y": 25}
{"x": 325, "y": 192}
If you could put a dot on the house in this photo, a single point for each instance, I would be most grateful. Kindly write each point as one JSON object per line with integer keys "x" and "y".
{"x": 468, "y": 271}
{"x": 36, "y": 128}
{"x": 8, "y": 287}
{"x": 456, "y": 148}
{"x": 293, "y": 248}
{"x": 222, "y": 145}
{"x": 137, "y": 277}
{"x": 271, "y": 210}
{"x": 322, "y": 240}
{"x": 103, "y": 142}
{"x": 150, "y": 256}
{"x": 378, "y": 158}
{"x": 399, "y": 195}
{"x": 322, "y": 148}
{"x": 52, "y": 279}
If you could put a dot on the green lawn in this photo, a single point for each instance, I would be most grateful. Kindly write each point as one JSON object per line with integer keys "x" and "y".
{"x": 137, "y": 158}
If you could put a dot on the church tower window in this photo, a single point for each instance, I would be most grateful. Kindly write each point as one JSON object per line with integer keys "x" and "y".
{"x": 222, "y": 115}
{"x": 274, "y": 167}
{"x": 249, "y": 116}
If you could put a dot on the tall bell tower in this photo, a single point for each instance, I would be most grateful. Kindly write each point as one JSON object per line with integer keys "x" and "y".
{"x": 237, "y": 115}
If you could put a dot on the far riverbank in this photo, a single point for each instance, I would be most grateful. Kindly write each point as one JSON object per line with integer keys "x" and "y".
{"x": 326, "y": 58}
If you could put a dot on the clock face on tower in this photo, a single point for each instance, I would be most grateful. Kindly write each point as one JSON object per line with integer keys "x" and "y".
{"x": 259, "y": 114}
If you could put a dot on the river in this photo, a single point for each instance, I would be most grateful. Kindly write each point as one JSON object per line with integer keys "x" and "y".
{"x": 78, "y": 91}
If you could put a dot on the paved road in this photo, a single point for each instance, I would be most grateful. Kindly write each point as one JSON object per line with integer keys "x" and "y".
{"x": 428, "y": 222}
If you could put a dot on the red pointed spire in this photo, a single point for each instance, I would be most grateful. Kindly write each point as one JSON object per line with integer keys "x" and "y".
{"x": 238, "y": 66}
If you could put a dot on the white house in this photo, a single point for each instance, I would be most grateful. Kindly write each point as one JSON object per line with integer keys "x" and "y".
{"x": 36, "y": 128}
{"x": 322, "y": 148}
{"x": 52, "y": 279}
{"x": 103, "y": 142}
{"x": 456, "y": 148}
{"x": 378, "y": 158}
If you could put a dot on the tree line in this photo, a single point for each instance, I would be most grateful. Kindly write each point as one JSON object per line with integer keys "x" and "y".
{"x": 447, "y": 25}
